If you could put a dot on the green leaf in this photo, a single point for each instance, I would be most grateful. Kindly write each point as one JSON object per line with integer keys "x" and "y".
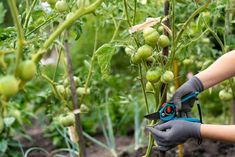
{"x": 199, "y": 22}
{"x": 3, "y": 146}
{"x": 2, "y": 13}
{"x": 104, "y": 55}
{"x": 9, "y": 121}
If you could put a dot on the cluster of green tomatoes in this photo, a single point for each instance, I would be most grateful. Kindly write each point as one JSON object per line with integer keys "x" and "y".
{"x": 10, "y": 84}
{"x": 68, "y": 119}
{"x": 148, "y": 52}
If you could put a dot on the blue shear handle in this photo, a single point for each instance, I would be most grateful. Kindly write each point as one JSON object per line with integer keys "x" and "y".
{"x": 196, "y": 120}
{"x": 191, "y": 95}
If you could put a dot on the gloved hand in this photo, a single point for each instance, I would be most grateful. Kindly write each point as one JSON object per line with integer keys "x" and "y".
{"x": 192, "y": 85}
{"x": 174, "y": 132}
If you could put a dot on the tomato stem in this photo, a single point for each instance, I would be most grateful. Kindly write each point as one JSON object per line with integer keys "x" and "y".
{"x": 28, "y": 15}
{"x": 143, "y": 88}
{"x": 183, "y": 29}
{"x": 20, "y": 33}
{"x": 67, "y": 23}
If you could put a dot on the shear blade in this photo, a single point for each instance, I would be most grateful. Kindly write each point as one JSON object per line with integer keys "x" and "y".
{"x": 153, "y": 116}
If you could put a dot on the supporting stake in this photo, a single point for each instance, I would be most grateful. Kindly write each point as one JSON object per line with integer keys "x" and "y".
{"x": 78, "y": 125}
{"x": 165, "y": 53}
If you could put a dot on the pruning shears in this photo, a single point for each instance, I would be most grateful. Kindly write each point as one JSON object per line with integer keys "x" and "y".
{"x": 167, "y": 111}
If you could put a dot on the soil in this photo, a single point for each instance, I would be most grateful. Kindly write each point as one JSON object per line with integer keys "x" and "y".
{"x": 207, "y": 148}
{"x": 125, "y": 147}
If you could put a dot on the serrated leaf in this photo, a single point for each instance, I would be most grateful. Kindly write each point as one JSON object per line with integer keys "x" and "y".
{"x": 104, "y": 55}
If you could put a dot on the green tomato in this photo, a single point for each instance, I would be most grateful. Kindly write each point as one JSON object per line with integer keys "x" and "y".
{"x": 150, "y": 59}
{"x": 8, "y": 85}
{"x": 76, "y": 79}
{"x": 199, "y": 64}
{"x": 225, "y": 96}
{"x": 187, "y": 62}
{"x": 135, "y": 58}
{"x": 81, "y": 91}
{"x": 160, "y": 29}
{"x": 84, "y": 108}
{"x": 167, "y": 77}
{"x": 151, "y": 36}
{"x": 153, "y": 75}
{"x": 1, "y": 125}
{"x": 67, "y": 120}
{"x": 61, "y": 6}
{"x": 145, "y": 51}
{"x": 163, "y": 41}
{"x": 61, "y": 89}
{"x": 28, "y": 70}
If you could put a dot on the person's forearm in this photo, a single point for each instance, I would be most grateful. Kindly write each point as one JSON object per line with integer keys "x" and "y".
{"x": 222, "y": 69}
{"x": 218, "y": 132}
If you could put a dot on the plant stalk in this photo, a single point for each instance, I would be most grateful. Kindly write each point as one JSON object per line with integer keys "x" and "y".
{"x": 20, "y": 33}
{"x": 29, "y": 14}
{"x": 67, "y": 23}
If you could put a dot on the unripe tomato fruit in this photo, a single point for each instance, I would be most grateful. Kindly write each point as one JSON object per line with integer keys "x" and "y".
{"x": 153, "y": 75}
{"x": 135, "y": 58}
{"x": 187, "y": 62}
{"x": 60, "y": 89}
{"x": 84, "y": 108}
{"x": 150, "y": 59}
{"x": 160, "y": 29}
{"x": 81, "y": 91}
{"x": 163, "y": 41}
{"x": 1, "y": 125}
{"x": 151, "y": 36}
{"x": 167, "y": 77}
{"x": 61, "y": 6}
{"x": 28, "y": 70}
{"x": 67, "y": 120}
{"x": 199, "y": 64}
{"x": 8, "y": 85}
{"x": 145, "y": 51}
{"x": 76, "y": 79}
{"x": 225, "y": 96}
{"x": 149, "y": 86}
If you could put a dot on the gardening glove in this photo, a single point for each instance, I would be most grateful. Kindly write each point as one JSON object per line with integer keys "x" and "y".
{"x": 174, "y": 132}
{"x": 192, "y": 85}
